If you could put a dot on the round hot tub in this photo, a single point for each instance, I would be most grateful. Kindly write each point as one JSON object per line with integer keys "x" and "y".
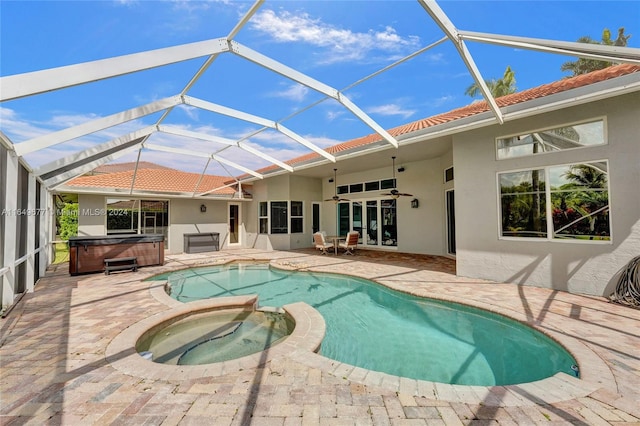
{"x": 214, "y": 336}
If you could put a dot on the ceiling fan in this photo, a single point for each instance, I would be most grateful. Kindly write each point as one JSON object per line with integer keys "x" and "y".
{"x": 335, "y": 197}
{"x": 394, "y": 193}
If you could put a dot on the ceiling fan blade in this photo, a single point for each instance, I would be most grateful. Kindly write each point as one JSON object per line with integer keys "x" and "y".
{"x": 405, "y": 195}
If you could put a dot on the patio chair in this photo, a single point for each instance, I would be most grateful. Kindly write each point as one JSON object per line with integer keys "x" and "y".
{"x": 350, "y": 243}
{"x": 320, "y": 243}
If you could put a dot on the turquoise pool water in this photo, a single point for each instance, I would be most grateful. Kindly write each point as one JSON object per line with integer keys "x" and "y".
{"x": 373, "y": 327}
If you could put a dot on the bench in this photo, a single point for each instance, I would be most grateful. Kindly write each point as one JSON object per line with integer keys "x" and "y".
{"x": 120, "y": 264}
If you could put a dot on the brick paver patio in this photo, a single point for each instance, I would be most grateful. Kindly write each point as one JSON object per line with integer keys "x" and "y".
{"x": 55, "y": 369}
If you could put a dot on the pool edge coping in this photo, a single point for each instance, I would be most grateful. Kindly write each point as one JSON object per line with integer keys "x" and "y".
{"x": 560, "y": 387}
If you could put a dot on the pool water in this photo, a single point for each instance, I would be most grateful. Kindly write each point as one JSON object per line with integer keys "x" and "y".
{"x": 373, "y": 327}
{"x": 214, "y": 337}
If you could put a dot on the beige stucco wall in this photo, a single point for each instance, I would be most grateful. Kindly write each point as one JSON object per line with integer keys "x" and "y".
{"x": 283, "y": 188}
{"x": 185, "y": 217}
{"x": 578, "y": 267}
{"x": 91, "y": 224}
{"x": 419, "y": 229}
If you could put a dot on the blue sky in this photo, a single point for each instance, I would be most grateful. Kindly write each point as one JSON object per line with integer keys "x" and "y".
{"x": 336, "y": 42}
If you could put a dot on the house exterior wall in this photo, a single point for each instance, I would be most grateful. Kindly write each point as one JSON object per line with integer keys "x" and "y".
{"x": 577, "y": 267}
{"x": 185, "y": 217}
{"x": 419, "y": 229}
{"x": 91, "y": 225}
{"x": 283, "y": 188}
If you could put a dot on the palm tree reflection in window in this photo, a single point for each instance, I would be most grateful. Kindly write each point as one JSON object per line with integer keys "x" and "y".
{"x": 580, "y": 201}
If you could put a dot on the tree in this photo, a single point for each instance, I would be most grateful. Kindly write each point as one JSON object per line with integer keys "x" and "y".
{"x": 69, "y": 221}
{"x": 500, "y": 87}
{"x": 583, "y": 65}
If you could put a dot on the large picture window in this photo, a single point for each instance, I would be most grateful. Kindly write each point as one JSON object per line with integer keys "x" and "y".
{"x": 575, "y": 197}
{"x": 551, "y": 140}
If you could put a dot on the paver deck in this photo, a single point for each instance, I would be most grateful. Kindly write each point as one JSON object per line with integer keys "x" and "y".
{"x": 57, "y": 367}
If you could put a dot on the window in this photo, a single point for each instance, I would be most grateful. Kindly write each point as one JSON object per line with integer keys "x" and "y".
{"x": 296, "y": 217}
{"x": 580, "y": 201}
{"x": 575, "y": 197}
{"x": 448, "y": 174}
{"x": 372, "y": 186}
{"x": 343, "y": 189}
{"x": 551, "y": 140}
{"x": 523, "y": 204}
{"x": 263, "y": 217}
{"x": 126, "y": 216}
{"x": 279, "y": 217}
{"x": 122, "y": 216}
{"x": 355, "y": 187}
{"x": 387, "y": 184}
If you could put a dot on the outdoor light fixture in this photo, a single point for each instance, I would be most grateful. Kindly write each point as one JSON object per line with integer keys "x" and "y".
{"x": 203, "y": 208}
{"x": 414, "y": 203}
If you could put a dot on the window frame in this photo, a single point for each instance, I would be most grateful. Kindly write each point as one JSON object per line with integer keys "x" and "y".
{"x": 550, "y": 237}
{"x": 605, "y": 138}
{"x": 297, "y": 218}
{"x": 285, "y": 219}
{"x": 290, "y": 218}
{"x": 264, "y": 217}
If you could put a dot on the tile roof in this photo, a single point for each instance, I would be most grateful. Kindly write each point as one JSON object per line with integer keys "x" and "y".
{"x": 125, "y": 167}
{"x": 477, "y": 108}
{"x": 152, "y": 179}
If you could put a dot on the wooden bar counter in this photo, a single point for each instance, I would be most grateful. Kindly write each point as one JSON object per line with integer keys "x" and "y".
{"x": 87, "y": 254}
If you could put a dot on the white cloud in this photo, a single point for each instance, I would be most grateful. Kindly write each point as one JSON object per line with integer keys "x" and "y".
{"x": 342, "y": 44}
{"x": 333, "y": 115}
{"x": 391, "y": 109}
{"x": 295, "y": 92}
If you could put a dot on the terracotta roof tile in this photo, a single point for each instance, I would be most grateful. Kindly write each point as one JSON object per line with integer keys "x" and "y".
{"x": 125, "y": 167}
{"x": 162, "y": 180}
{"x": 477, "y": 108}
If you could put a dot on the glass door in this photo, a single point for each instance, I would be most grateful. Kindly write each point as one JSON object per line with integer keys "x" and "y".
{"x": 372, "y": 237}
{"x": 451, "y": 222}
{"x": 356, "y": 223}
{"x": 234, "y": 224}
{"x": 344, "y": 221}
{"x": 389, "y": 234}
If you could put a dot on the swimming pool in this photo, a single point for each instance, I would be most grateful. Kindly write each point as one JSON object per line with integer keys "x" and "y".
{"x": 374, "y": 327}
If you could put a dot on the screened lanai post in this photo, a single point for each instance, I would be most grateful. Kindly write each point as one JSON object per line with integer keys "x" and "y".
{"x": 9, "y": 254}
{"x": 445, "y": 24}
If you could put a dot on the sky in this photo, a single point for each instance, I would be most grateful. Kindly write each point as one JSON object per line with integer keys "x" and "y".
{"x": 335, "y": 42}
